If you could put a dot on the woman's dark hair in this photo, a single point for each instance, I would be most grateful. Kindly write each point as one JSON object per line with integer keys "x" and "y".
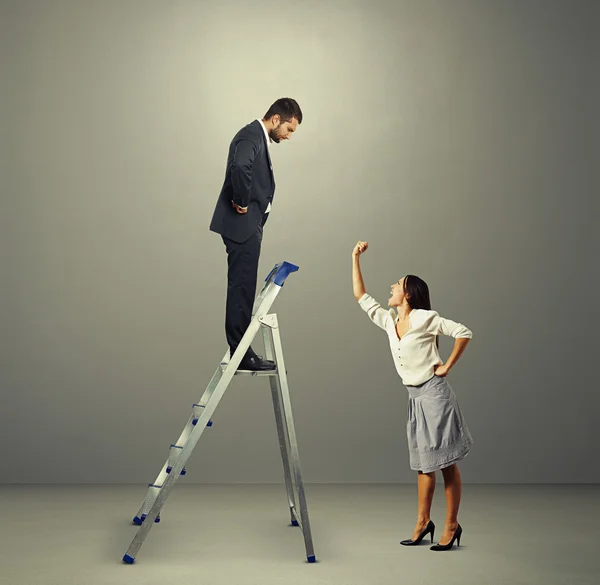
{"x": 417, "y": 295}
{"x": 286, "y": 108}
{"x": 417, "y": 292}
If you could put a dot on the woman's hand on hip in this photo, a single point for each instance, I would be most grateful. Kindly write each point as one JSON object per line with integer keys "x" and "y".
{"x": 441, "y": 370}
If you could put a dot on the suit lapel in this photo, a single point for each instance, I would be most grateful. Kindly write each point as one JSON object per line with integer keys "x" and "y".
{"x": 267, "y": 151}
{"x": 269, "y": 158}
{"x": 269, "y": 161}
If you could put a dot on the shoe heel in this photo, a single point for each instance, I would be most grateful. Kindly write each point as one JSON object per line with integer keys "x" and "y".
{"x": 432, "y": 533}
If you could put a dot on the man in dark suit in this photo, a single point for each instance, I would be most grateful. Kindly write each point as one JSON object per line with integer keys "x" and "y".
{"x": 241, "y": 212}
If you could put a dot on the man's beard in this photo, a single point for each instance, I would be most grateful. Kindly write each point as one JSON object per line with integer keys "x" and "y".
{"x": 274, "y": 136}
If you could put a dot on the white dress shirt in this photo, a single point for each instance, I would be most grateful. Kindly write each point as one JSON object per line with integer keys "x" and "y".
{"x": 268, "y": 144}
{"x": 415, "y": 355}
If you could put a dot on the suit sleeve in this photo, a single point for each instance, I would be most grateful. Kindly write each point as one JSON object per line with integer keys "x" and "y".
{"x": 241, "y": 171}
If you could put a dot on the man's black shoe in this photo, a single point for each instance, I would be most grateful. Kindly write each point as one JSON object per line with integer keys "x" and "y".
{"x": 256, "y": 364}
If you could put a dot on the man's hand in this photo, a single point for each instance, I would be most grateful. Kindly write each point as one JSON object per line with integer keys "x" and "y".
{"x": 239, "y": 209}
{"x": 441, "y": 370}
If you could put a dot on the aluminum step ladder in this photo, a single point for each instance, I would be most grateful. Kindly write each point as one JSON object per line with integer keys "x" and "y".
{"x": 180, "y": 452}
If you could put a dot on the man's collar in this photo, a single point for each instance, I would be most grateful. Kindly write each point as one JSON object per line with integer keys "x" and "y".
{"x": 265, "y": 131}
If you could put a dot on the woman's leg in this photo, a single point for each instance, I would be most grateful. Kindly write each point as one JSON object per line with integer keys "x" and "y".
{"x": 426, "y": 487}
{"x": 453, "y": 487}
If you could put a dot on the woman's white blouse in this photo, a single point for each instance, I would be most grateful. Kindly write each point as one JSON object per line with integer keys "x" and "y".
{"x": 415, "y": 355}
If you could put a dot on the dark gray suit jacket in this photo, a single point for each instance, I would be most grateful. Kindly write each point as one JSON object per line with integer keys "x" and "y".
{"x": 249, "y": 182}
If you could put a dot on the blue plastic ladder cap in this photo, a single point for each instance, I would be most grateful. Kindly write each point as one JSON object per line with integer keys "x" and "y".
{"x": 209, "y": 423}
{"x": 183, "y": 471}
{"x": 157, "y": 519}
{"x": 137, "y": 521}
{"x": 295, "y": 523}
{"x": 169, "y": 469}
{"x": 284, "y": 271}
{"x": 128, "y": 559}
{"x": 195, "y": 422}
{"x": 312, "y": 559}
{"x": 273, "y": 270}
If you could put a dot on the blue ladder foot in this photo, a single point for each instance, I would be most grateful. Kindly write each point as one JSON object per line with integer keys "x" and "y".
{"x": 157, "y": 519}
{"x": 312, "y": 559}
{"x": 295, "y": 523}
{"x": 137, "y": 521}
{"x": 128, "y": 559}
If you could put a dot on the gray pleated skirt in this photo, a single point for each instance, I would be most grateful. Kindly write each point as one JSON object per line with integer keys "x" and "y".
{"x": 437, "y": 434}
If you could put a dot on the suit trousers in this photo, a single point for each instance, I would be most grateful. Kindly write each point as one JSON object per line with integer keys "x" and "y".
{"x": 242, "y": 272}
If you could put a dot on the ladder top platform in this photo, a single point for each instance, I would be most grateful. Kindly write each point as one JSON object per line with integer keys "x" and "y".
{"x": 280, "y": 272}
{"x": 250, "y": 372}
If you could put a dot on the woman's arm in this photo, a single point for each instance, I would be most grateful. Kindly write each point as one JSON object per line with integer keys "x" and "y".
{"x": 460, "y": 344}
{"x": 358, "y": 284}
{"x": 462, "y": 335}
{"x": 368, "y": 304}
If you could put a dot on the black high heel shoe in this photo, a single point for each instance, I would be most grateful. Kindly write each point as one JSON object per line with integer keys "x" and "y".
{"x": 457, "y": 535}
{"x": 430, "y": 528}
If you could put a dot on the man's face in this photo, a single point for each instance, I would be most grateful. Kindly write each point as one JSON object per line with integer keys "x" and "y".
{"x": 282, "y": 130}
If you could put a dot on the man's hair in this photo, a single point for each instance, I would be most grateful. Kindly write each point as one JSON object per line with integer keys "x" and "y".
{"x": 287, "y": 108}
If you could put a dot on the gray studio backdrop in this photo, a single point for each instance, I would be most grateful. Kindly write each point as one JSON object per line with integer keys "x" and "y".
{"x": 457, "y": 137}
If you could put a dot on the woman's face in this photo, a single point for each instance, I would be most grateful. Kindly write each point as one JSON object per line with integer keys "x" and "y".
{"x": 397, "y": 294}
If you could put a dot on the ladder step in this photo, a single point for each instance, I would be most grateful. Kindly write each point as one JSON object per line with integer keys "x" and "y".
{"x": 197, "y": 412}
{"x": 173, "y": 456}
{"x": 250, "y": 372}
{"x": 157, "y": 519}
{"x": 153, "y": 491}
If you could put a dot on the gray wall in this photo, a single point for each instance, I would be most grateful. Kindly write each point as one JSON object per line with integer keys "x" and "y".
{"x": 457, "y": 137}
